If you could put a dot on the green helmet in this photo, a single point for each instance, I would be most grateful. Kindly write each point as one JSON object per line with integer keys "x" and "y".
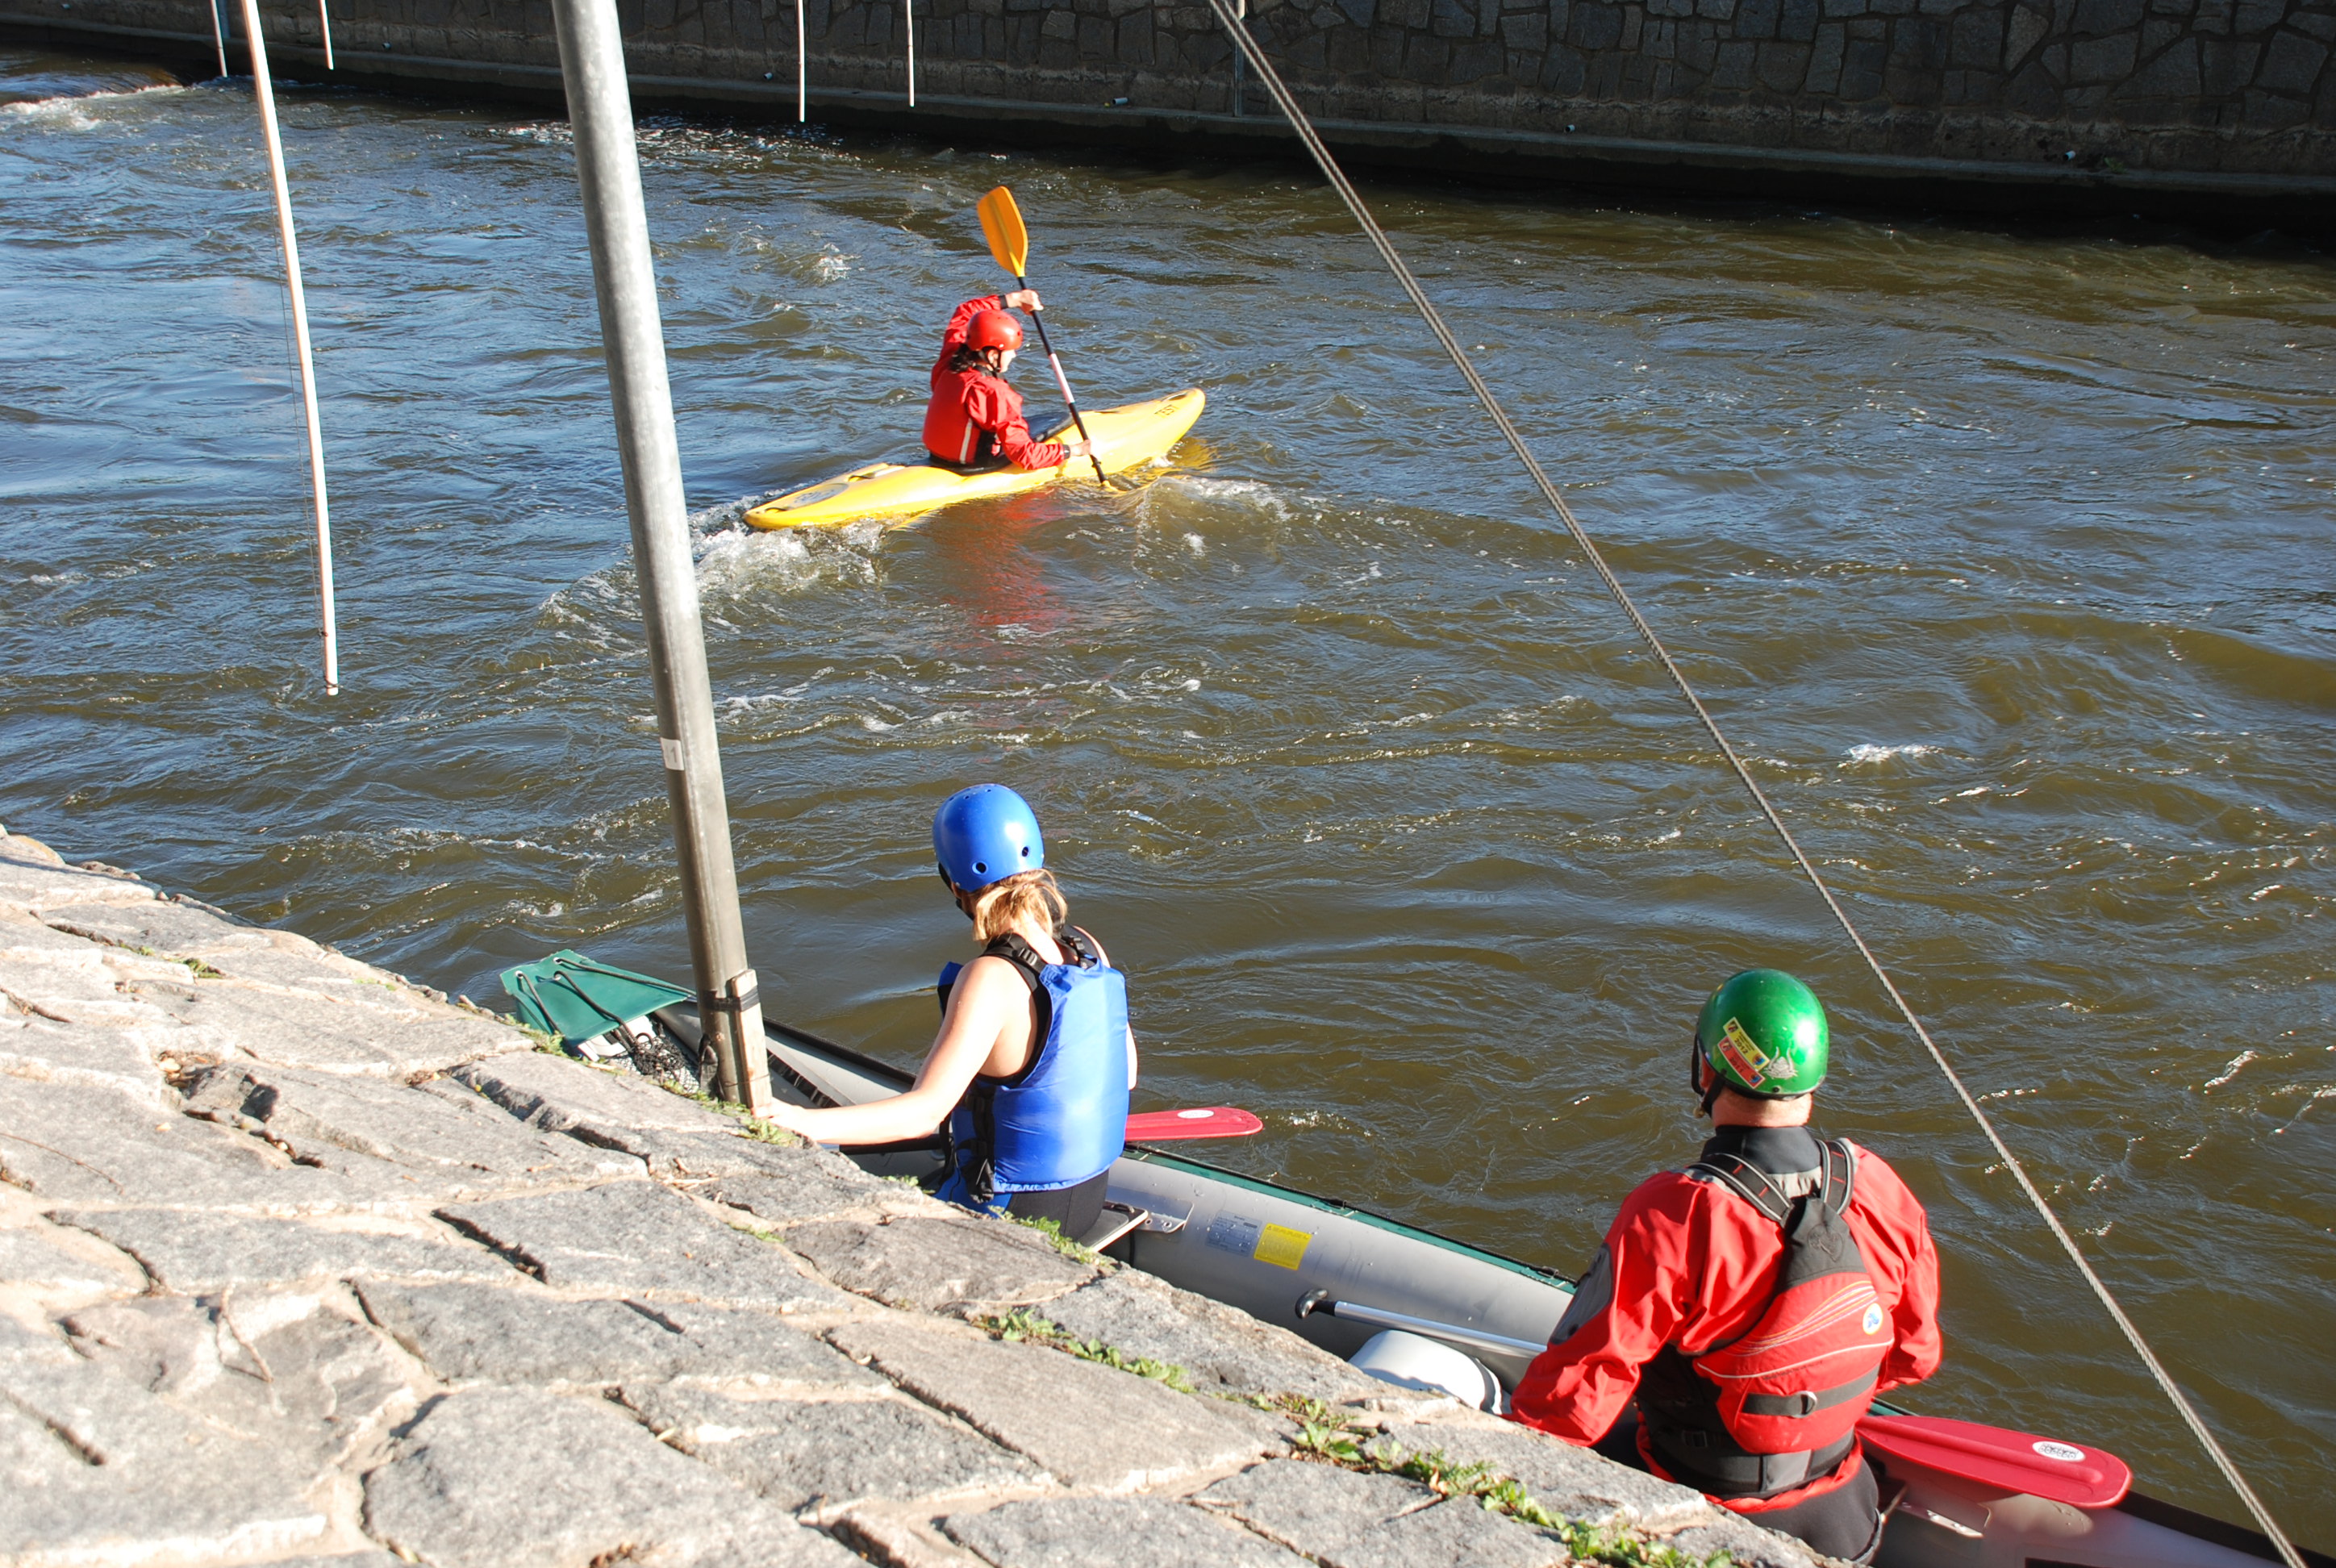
{"x": 1763, "y": 1034}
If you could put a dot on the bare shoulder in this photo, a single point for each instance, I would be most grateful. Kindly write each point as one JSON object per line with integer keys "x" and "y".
{"x": 990, "y": 971}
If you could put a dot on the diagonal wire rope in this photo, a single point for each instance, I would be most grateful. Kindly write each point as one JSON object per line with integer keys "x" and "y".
{"x": 1330, "y": 166}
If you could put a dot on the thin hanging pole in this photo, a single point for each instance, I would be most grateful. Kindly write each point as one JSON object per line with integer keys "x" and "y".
{"x": 266, "y": 93}
{"x": 802, "y": 69}
{"x": 325, "y": 25}
{"x": 218, "y": 37}
{"x": 624, "y": 280}
{"x": 1241, "y": 11}
{"x": 909, "y": 18}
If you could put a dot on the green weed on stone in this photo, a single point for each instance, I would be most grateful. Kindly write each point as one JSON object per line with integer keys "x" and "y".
{"x": 1025, "y": 1325}
{"x": 1322, "y": 1435}
{"x": 1052, "y": 1231}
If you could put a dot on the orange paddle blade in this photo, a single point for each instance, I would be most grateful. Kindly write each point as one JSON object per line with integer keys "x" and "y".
{"x": 1001, "y": 222}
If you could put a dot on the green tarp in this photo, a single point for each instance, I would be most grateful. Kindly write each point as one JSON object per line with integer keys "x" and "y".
{"x": 572, "y": 996}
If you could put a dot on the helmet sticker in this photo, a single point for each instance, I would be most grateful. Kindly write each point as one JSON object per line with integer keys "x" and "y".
{"x": 1750, "y": 1062}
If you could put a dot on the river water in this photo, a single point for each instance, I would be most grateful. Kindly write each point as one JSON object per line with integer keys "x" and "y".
{"x": 2005, "y": 557}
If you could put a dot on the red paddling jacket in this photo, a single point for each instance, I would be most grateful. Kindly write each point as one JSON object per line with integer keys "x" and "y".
{"x": 975, "y": 418}
{"x": 1754, "y": 1304}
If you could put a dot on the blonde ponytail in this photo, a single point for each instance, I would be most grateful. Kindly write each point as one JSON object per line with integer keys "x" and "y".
{"x": 1025, "y": 898}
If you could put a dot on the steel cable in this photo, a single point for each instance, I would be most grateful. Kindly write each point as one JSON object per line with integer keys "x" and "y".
{"x": 1272, "y": 78}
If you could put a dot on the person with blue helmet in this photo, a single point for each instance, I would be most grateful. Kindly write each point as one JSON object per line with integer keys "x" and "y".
{"x": 1029, "y": 1077}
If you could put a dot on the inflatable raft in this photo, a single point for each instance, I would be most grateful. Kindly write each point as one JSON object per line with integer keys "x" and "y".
{"x": 1125, "y": 437}
{"x": 1416, "y": 1308}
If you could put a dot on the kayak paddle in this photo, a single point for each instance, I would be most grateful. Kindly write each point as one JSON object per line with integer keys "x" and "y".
{"x": 2043, "y": 1467}
{"x": 1009, "y": 242}
{"x": 1168, "y": 1126}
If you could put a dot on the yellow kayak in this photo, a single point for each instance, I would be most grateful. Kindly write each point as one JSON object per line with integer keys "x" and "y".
{"x": 1125, "y": 437}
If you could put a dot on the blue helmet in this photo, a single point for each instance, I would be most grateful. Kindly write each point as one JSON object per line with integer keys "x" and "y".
{"x": 986, "y": 834}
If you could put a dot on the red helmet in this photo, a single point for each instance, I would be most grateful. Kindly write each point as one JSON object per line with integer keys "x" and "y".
{"x": 993, "y": 329}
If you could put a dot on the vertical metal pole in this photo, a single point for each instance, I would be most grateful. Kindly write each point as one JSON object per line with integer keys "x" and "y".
{"x": 325, "y": 25}
{"x": 219, "y": 35}
{"x": 803, "y": 69}
{"x": 266, "y": 91}
{"x": 600, "y": 113}
{"x": 1240, "y": 10}
{"x": 909, "y": 18}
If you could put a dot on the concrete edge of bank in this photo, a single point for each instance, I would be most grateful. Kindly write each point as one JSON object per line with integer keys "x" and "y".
{"x": 302, "y": 1263}
{"x": 1615, "y": 166}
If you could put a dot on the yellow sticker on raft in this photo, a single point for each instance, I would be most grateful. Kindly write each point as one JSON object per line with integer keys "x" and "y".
{"x": 1281, "y": 1246}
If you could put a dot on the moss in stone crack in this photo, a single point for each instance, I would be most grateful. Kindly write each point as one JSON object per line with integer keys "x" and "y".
{"x": 202, "y": 971}
{"x": 1052, "y": 1231}
{"x": 764, "y": 1131}
{"x": 1588, "y": 1543}
{"x": 545, "y": 1040}
{"x": 1323, "y": 1436}
{"x": 749, "y": 1125}
{"x": 1026, "y": 1325}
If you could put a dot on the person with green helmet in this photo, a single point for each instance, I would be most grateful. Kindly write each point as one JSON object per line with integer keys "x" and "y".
{"x": 1743, "y": 1313}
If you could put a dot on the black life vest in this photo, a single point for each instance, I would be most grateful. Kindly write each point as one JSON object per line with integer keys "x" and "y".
{"x": 1777, "y": 1407}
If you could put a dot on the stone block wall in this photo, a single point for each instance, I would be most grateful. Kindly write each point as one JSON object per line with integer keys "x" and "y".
{"x": 1974, "y": 89}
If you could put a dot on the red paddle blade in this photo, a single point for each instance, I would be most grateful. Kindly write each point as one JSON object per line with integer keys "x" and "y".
{"x": 2044, "y": 1468}
{"x": 1166, "y": 1126}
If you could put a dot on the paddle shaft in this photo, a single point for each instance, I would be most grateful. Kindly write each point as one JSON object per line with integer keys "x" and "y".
{"x": 1054, "y": 363}
{"x": 1378, "y": 1318}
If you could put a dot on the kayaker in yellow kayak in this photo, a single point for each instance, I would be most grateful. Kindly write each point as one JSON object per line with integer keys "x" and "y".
{"x": 975, "y": 419}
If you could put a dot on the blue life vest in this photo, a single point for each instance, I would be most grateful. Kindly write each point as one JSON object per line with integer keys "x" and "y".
{"x": 1063, "y": 1119}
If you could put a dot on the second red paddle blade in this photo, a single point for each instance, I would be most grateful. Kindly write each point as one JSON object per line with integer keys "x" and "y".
{"x": 1167, "y": 1126}
{"x": 2047, "y": 1468}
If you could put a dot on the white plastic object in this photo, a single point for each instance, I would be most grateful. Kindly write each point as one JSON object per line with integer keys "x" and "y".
{"x": 601, "y": 1048}
{"x": 1413, "y": 1361}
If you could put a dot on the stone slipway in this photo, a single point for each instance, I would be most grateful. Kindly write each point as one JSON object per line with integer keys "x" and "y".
{"x": 302, "y": 1263}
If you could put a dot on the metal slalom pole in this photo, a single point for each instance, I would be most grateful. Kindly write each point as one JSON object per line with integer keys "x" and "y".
{"x": 1241, "y": 11}
{"x": 608, "y": 167}
{"x": 325, "y": 25}
{"x": 803, "y": 69}
{"x": 909, "y": 19}
{"x": 219, "y": 35}
{"x": 264, "y": 89}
